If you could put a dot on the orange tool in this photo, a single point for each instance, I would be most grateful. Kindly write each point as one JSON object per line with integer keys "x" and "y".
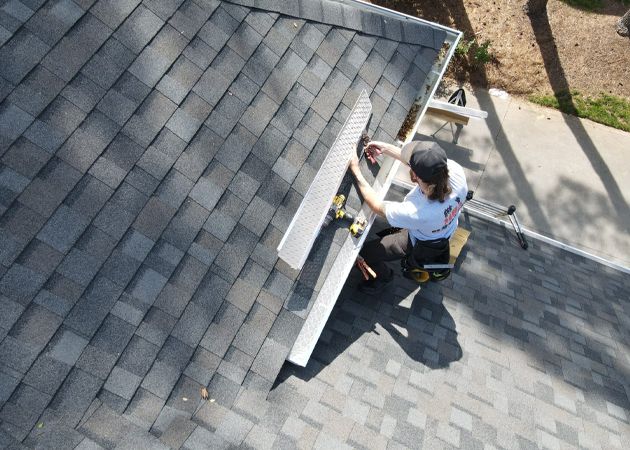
{"x": 365, "y": 269}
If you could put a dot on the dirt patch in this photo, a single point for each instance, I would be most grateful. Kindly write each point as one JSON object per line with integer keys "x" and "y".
{"x": 568, "y": 49}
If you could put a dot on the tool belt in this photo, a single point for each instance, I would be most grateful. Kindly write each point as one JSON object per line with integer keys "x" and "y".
{"x": 427, "y": 253}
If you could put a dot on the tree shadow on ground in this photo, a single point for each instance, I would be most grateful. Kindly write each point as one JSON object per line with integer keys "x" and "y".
{"x": 559, "y": 83}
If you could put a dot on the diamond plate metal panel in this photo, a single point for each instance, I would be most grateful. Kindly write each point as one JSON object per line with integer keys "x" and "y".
{"x": 305, "y": 226}
{"x": 318, "y": 316}
{"x": 336, "y": 278}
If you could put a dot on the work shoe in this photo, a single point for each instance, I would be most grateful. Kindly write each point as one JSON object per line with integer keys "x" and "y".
{"x": 376, "y": 284}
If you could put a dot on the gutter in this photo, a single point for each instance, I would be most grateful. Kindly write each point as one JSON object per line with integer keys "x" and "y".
{"x": 309, "y": 335}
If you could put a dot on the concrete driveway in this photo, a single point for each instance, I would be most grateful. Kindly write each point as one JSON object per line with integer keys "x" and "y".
{"x": 567, "y": 177}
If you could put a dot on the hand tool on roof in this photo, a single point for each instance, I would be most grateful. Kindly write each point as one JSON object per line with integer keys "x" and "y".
{"x": 365, "y": 269}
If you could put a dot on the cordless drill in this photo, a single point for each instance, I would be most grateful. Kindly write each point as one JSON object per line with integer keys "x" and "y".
{"x": 337, "y": 211}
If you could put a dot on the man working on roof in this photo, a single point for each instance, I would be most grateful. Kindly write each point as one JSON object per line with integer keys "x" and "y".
{"x": 428, "y": 213}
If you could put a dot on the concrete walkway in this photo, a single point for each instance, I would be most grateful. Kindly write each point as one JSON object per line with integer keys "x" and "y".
{"x": 568, "y": 178}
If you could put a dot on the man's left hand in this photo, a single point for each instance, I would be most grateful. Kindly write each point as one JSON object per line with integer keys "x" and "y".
{"x": 354, "y": 163}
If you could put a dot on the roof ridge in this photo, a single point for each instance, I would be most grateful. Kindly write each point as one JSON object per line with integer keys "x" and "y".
{"x": 336, "y": 13}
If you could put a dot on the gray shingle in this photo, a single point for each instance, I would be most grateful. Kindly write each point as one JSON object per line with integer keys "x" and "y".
{"x": 186, "y": 396}
{"x": 200, "y": 53}
{"x": 22, "y": 222}
{"x": 154, "y": 218}
{"x": 138, "y": 356}
{"x": 156, "y": 326}
{"x": 83, "y": 92}
{"x": 245, "y": 40}
{"x": 46, "y": 374}
{"x": 63, "y": 229}
{"x": 189, "y": 274}
{"x": 206, "y": 193}
{"x": 144, "y": 409}
{"x": 89, "y": 196}
{"x": 217, "y": 31}
{"x": 138, "y": 29}
{"x": 205, "y": 248}
{"x": 127, "y": 312}
{"x": 261, "y": 21}
{"x": 77, "y": 47}
{"x": 79, "y": 267}
{"x": 244, "y": 186}
{"x": 222, "y": 331}
{"x": 330, "y": 95}
{"x": 147, "y": 285}
{"x": 259, "y": 114}
{"x": 284, "y": 76}
{"x": 193, "y": 324}
{"x": 122, "y": 383}
{"x": 17, "y": 355}
{"x": 13, "y": 121}
{"x": 287, "y": 119}
{"x": 352, "y": 60}
{"x": 331, "y": 49}
{"x": 178, "y": 432}
{"x": 300, "y": 97}
{"x": 212, "y": 292}
{"x": 277, "y": 39}
{"x": 161, "y": 379}
{"x": 223, "y": 390}
{"x": 222, "y": 72}
{"x": 113, "y": 335}
{"x": 286, "y": 328}
{"x": 120, "y": 268}
{"x": 190, "y": 17}
{"x": 21, "y": 54}
{"x": 226, "y": 114}
{"x": 25, "y": 404}
{"x": 269, "y": 360}
{"x": 75, "y": 396}
{"x": 307, "y": 41}
{"x": 25, "y": 158}
{"x": 164, "y": 258}
{"x": 236, "y": 148}
{"x": 36, "y": 91}
{"x": 273, "y": 190}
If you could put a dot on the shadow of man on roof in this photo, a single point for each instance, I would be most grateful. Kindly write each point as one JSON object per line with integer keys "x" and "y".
{"x": 402, "y": 323}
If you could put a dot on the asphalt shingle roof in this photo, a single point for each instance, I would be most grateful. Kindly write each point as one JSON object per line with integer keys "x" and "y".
{"x": 152, "y": 155}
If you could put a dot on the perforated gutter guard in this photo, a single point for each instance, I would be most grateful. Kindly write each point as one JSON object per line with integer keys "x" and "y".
{"x": 304, "y": 228}
{"x": 325, "y": 301}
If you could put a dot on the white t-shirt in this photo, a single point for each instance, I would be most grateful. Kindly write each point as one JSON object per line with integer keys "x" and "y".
{"x": 429, "y": 220}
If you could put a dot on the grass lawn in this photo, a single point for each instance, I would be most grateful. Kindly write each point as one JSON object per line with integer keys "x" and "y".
{"x": 607, "y": 109}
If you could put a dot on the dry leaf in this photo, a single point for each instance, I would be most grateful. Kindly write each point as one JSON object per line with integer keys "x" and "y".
{"x": 40, "y": 425}
{"x": 211, "y": 400}
{"x": 204, "y": 393}
{"x": 184, "y": 399}
{"x": 295, "y": 24}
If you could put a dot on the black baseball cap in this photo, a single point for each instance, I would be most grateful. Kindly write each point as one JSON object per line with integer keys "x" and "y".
{"x": 426, "y": 158}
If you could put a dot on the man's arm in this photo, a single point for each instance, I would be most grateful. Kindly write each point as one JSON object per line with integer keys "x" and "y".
{"x": 369, "y": 194}
{"x": 386, "y": 149}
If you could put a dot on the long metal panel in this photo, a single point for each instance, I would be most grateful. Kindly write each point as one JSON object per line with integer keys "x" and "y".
{"x": 336, "y": 278}
{"x": 304, "y": 228}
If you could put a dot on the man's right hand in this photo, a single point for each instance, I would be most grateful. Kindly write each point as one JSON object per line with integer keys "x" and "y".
{"x": 373, "y": 149}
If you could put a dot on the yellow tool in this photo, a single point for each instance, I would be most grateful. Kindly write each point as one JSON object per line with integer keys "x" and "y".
{"x": 336, "y": 211}
{"x": 358, "y": 226}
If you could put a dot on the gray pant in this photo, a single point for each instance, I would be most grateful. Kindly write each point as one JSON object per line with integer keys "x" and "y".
{"x": 392, "y": 247}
